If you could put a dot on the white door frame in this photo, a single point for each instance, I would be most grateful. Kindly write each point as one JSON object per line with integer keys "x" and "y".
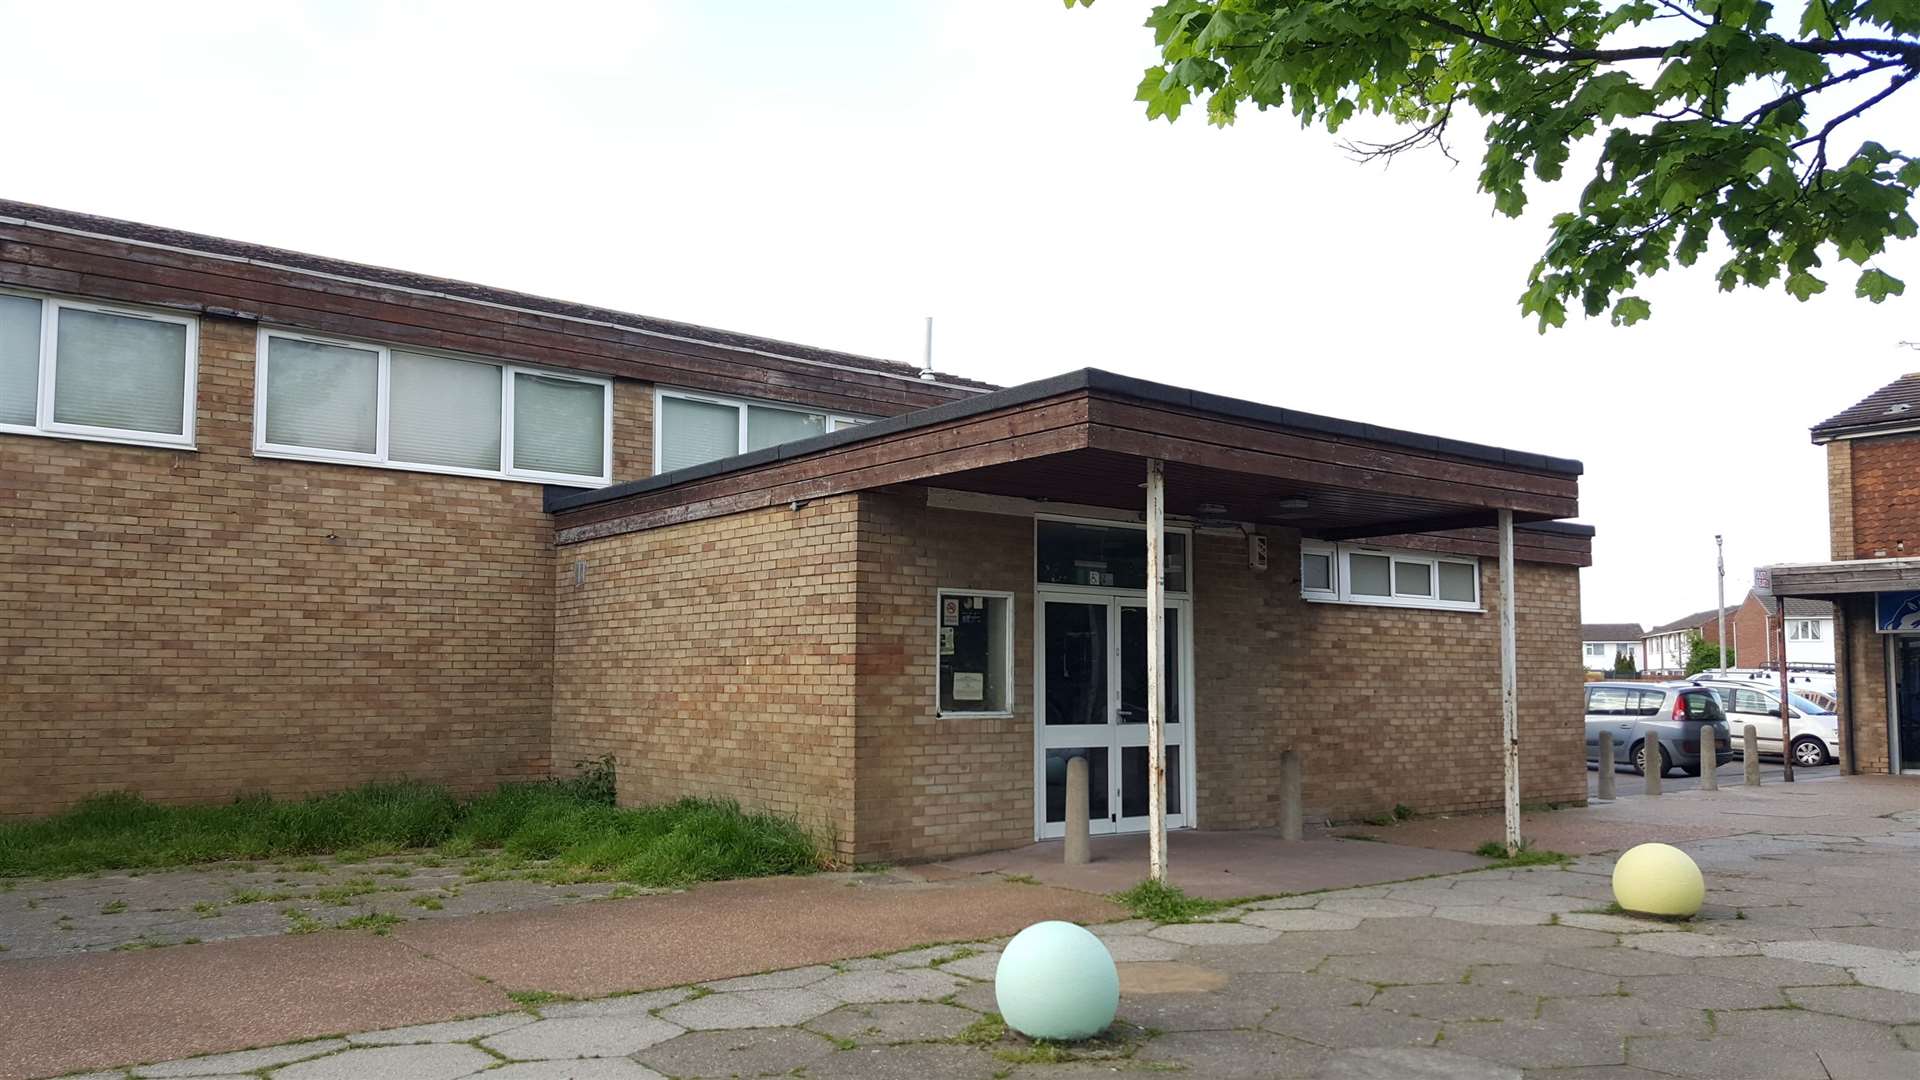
{"x": 1112, "y": 735}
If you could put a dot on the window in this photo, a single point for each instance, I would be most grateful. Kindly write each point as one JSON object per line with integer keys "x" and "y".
{"x": 1596, "y": 650}
{"x": 693, "y": 429}
{"x": 975, "y": 653}
{"x": 1803, "y": 630}
{"x": 1339, "y": 573}
{"x": 1609, "y": 701}
{"x": 328, "y": 400}
{"x": 96, "y": 372}
{"x": 1104, "y": 556}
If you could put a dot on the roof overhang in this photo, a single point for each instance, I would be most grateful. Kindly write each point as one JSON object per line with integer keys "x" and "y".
{"x": 1083, "y": 438}
{"x": 1843, "y": 578}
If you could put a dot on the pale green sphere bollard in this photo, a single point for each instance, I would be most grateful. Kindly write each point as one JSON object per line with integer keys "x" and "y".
{"x": 1056, "y": 981}
{"x": 1658, "y": 879}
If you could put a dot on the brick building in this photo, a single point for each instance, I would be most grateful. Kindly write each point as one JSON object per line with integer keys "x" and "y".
{"x": 1754, "y": 628}
{"x": 1665, "y": 647}
{"x": 283, "y": 523}
{"x": 1873, "y": 582}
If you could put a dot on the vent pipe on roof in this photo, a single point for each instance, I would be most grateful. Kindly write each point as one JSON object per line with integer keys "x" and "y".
{"x": 926, "y": 365}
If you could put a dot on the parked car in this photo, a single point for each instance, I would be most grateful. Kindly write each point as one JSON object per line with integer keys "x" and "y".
{"x": 1658, "y": 721}
{"x": 1816, "y": 730}
{"x": 1801, "y": 679}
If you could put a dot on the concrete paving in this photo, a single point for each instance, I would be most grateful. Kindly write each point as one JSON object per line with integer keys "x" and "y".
{"x": 1805, "y": 962}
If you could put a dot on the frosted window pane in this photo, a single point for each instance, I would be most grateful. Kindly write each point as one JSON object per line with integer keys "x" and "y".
{"x": 770, "y": 427}
{"x": 19, "y": 359}
{"x": 1413, "y": 579}
{"x": 444, "y": 412}
{"x": 323, "y": 397}
{"x": 1368, "y": 575}
{"x": 116, "y": 371}
{"x": 1316, "y": 571}
{"x": 1457, "y": 582}
{"x": 559, "y": 426}
{"x": 694, "y": 432}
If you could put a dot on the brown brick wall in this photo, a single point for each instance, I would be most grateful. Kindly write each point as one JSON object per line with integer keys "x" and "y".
{"x": 930, "y": 786}
{"x": 1885, "y": 485}
{"x": 1840, "y": 498}
{"x": 1866, "y": 683}
{"x": 192, "y": 624}
{"x": 716, "y": 659}
{"x": 1749, "y": 632}
{"x": 1386, "y": 705}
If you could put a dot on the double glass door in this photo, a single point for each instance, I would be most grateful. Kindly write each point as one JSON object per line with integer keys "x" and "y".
{"x": 1091, "y": 695}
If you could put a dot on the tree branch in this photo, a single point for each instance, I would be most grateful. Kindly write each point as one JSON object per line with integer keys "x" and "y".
{"x": 1908, "y": 51}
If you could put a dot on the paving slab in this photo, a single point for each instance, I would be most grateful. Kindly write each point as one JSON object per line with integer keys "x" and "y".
{"x": 750, "y": 1009}
{"x": 906, "y": 984}
{"x": 1725, "y": 1059}
{"x": 583, "y": 1069}
{"x": 1538, "y": 1044}
{"x": 760, "y": 1052}
{"x": 1235, "y": 1055}
{"x": 895, "y": 1022}
{"x": 1406, "y": 1064}
{"x": 427, "y": 1061}
{"x": 243, "y": 1061}
{"x": 447, "y": 1032}
{"x": 582, "y": 1036}
{"x": 1849, "y": 1064}
{"x": 908, "y": 1062}
{"x": 1859, "y": 1002}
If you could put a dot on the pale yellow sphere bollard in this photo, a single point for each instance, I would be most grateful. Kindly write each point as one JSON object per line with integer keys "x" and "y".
{"x": 1658, "y": 879}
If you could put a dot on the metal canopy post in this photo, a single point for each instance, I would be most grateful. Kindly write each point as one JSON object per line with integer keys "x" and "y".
{"x": 1509, "y": 710}
{"x": 1156, "y": 650}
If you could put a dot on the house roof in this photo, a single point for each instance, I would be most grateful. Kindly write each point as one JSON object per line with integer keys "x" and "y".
{"x": 1798, "y": 607}
{"x": 1083, "y": 438}
{"x": 1611, "y": 631}
{"x": 1689, "y": 622}
{"x": 1895, "y": 405}
{"x": 92, "y": 225}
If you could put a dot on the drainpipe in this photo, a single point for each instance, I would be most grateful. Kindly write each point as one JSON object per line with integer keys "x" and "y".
{"x": 1509, "y": 717}
{"x": 1156, "y": 652}
{"x": 1843, "y": 680}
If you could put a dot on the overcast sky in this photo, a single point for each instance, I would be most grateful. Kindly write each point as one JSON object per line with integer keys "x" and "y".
{"x": 832, "y": 172}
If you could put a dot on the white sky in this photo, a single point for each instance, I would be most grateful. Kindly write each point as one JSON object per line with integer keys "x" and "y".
{"x": 832, "y": 172}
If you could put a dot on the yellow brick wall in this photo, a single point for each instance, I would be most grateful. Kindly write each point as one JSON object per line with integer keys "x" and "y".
{"x": 1386, "y": 705}
{"x": 194, "y": 624}
{"x": 716, "y": 659}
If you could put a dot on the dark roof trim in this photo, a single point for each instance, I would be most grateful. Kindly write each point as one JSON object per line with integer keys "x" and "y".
{"x": 1893, "y": 408}
{"x": 133, "y": 232}
{"x": 1085, "y": 379}
{"x": 1611, "y": 632}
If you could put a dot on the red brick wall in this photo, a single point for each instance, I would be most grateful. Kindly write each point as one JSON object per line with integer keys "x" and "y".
{"x": 716, "y": 659}
{"x": 193, "y": 624}
{"x": 1749, "y": 632}
{"x": 1884, "y": 482}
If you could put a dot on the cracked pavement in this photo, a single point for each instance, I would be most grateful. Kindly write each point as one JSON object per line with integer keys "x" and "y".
{"x": 1805, "y": 963}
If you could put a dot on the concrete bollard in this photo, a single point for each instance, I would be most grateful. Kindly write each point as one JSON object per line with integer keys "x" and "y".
{"x": 1606, "y": 766}
{"x": 1652, "y": 766}
{"x": 1750, "y": 749}
{"x": 1292, "y": 826}
{"x": 1709, "y": 759}
{"x": 1079, "y": 829}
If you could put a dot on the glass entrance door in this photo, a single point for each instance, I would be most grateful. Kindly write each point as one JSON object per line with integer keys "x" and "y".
{"x": 1091, "y": 695}
{"x": 1906, "y": 679}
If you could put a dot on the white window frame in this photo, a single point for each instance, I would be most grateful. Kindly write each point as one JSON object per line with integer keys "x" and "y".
{"x": 380, "y": 458}
{"x": 45, "y": 425}
{"x": 835, "y": 421}
{"x": 1804, "y": 630}
{"x": 939, "y": 602}
{"x": 1341, "y": 593}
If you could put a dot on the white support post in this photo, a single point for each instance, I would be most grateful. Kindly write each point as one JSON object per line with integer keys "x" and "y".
{"x": 1509, "y": 704}
{"x": 1156, "y": 651}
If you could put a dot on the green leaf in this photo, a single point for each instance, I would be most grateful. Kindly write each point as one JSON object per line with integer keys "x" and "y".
{"x": 1877, "y": 285}
{"x": 1629, "y": 310}
{"x": 1803, "y": 285}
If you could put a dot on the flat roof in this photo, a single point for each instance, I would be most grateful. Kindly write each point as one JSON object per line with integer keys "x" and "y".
{"x": 1845, "y": 577}
{"x": 1085, "y": 379}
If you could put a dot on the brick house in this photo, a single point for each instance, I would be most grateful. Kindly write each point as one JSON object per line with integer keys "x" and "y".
{"x": 1665, "y": 646}
{"x": 283, "y": 523}
{"x": 1602, "y": 644}
{"x": 1873, "y": 582}
{"x": 1809, "y": 631}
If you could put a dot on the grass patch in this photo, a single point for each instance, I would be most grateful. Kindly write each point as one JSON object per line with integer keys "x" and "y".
{"x": 427, "y": 903}
{"x": 528, "y": 999}
{"x": 986, "y": 1031}
{"x": 1526, "y": 856}
{"x": 1164, "y": 903}
{"x": 379, "y": 922}
{"x": 113, "y": 908}
{"x": 558, "y": 831}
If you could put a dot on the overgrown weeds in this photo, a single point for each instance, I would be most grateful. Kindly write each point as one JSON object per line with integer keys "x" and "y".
{"x": 1164, "y": 903}
{"x": 1528, "y": 855}
{"x": 570, "y": 829}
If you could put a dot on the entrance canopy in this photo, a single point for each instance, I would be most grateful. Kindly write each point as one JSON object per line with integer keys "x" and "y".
{"x": 1081, "y": 438}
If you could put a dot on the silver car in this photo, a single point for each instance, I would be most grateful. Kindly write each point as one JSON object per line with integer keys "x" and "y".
{"x": 1659, "y": 720}
{"x": 1816, "y": 730}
